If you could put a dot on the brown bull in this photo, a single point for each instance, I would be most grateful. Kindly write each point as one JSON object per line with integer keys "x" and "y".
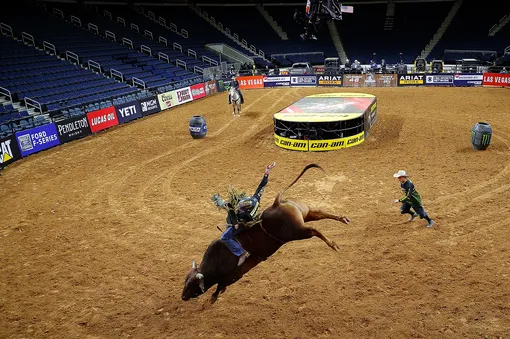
{"x": 282, "y": 222}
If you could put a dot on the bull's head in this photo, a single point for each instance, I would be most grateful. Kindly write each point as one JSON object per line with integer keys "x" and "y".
{"x": 194, "y": 283}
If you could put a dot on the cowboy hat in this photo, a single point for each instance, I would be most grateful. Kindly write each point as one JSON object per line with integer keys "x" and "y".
{"x": 400, "y": 173}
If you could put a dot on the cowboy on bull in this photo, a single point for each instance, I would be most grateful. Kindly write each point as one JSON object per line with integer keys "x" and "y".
{"x": 241, "y": 215}
{"x": 235, "y": 85}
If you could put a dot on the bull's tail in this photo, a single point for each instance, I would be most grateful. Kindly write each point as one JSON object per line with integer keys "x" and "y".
{"x": 278, "y": 198}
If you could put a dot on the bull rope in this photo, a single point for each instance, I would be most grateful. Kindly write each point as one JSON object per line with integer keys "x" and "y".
{"x": 275, "y": 238}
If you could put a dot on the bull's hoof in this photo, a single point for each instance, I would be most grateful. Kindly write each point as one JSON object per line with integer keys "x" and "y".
{"x": 213, "y": 299}
{"x": 345, "y": 220}
{"x": 334, "y": 246}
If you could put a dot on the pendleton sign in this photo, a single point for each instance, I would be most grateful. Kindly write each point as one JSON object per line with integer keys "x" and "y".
{"x": 412, "y": 79}
{"x": 329, "y": 80}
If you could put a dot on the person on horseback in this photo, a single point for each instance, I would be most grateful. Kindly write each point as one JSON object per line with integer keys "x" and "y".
{"x": 247, "y": 209}
{"x": 235, "y": 84}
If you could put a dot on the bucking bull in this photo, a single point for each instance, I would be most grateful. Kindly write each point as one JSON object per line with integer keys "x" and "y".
{"x": 282, "y": 222}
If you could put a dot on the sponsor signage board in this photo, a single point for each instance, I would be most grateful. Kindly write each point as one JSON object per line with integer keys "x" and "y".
{"x": 166, "y": 100}
{"x": 211, "y": 87}
{"x": 441, "y": 79}
{"x": 411, "y": 79}
{"x": 102, "y": 119}
{"x": 303, "y": 80}
{"x": 149, "y": 106}
{"x": 128, "y": 111}
{"x": 354, "y": 80}
{"x": 9, "y": 150}
{"x": 329, "y": 80}
{"x": 385, "y": 80}
{"x": 496, "y": 79}
{"x": 37, "y": 139}
{"x": 181, "y": 96}
{"x": 276, "y": 81}
{"x": 468, "y": 79}
{"x": 198, "y": 91}
{"x": 249, "y": 82}
{"x": 73, "y": 128}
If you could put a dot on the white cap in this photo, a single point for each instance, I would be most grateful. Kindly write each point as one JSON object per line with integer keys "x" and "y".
{"x": 400, "y": 173}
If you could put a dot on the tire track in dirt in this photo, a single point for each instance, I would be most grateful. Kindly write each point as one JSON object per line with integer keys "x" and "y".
{"x": 135, "y": 185}
{"x": 171, "y": 172}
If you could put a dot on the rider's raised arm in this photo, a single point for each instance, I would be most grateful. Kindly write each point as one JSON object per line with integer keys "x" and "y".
{"x": 264, "y": 181}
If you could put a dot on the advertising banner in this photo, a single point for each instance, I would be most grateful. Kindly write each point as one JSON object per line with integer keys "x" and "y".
{"x": 333, "y": 144}
{"x": 149, "y": 106}
{"x": 303, "y": 80}
{"x": 166, "y": 100}
{"x": 443, "y": 79}
{"x": 468, "y": 79}
{"x": 221, "y": 86}
{"x": 102, "y": 119}
{"x": 276, "y": 81}
{"x": 249, "y": 82}
{"x": 197, "y": 91}
{"x": 496, "y": 79}
{"x": 73, "y": 128}
{"x": 354, "y": 80}
{"x": 37, "y": 139}
{"x": 385, "y": 80}
{"x": 319, "y": 145}
{"x": 9, "y": 150}
{"x": 292, "y": 144}
{"x": 318, "y": 69}
{"x": 329, "y": 80}
{"x": 129, "y": 111}
{"x": 181, "y": 96}
{"x": 413, "y": 79}
{"x": 211, "y": 87}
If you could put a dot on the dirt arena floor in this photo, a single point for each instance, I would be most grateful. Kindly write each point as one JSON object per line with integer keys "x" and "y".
{"x": 97, "y": 235}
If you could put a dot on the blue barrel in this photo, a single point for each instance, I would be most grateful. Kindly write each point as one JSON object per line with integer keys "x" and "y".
{"x": 481, "y": 136}
{"x": 197, "y": 127}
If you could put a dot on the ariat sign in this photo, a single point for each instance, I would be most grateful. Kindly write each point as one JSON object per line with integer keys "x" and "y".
{"x": 411, "y": 80}
{"x": 329, "y": 80}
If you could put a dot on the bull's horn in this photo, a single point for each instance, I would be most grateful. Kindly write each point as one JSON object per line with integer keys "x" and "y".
{"x": 199, "y": 276}
{"x": 194, "y": 265}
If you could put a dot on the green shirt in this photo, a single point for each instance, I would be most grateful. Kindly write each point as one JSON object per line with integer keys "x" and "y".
{"x": 411, "y": 195}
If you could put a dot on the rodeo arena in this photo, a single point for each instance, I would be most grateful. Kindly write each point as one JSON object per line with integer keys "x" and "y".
{"x": 255, "y": 169}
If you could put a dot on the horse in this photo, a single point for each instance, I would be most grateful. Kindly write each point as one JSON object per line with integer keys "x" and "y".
{"x": 282, "y": 222}
{"x": 235, "y": 99}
